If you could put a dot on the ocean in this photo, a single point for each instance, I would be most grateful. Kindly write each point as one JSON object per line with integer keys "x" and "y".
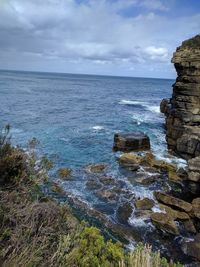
{"x": 75, "y": 118}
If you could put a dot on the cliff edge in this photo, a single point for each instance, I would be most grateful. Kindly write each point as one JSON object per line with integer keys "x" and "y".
{"x": 182, "y": 111}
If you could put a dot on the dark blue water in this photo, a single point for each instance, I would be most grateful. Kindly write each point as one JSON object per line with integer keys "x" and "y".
{"x": 76, "y": 116}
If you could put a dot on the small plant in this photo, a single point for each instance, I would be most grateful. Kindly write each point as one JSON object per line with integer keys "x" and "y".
{"x": 46, "y": 163}
{"x": 64, "y": 172}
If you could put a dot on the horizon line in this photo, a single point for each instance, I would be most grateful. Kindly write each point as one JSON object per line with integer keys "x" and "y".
{"x": 86, "y": 74}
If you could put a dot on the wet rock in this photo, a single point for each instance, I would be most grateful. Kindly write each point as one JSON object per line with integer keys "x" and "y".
{"x": 164, "y": 105}
{"x": 142, "y": 214}
{"x": 124, "y": 212}
{"x": 173, "y": 176}
{"x": 165, "y": 223}
{"x": 196, "y": 207}
{"x": 136, "y": 141}
{"x": 144, "y": 204}
{"x": 130, "y": 160}
{"x": 194, "y": 164}
{"x": 163, "y": 165}
{"x": 189, "y": 227}
{"x": 107, "y": 180}
{"x": 172, "y": 201}
{"x": 93, "y": 184}
{"x": 174, "y": 214}
{"x": 194, "y": 169}
{"x": 182, "y": 111}
{"x": 146, "y": 180}
{"x": 194, "y": 176}
{"x": 65, "y": 173}
{"x": 192, "y": 248}
{"x": 107, "y": 195}
{"x": 96, "y": 168}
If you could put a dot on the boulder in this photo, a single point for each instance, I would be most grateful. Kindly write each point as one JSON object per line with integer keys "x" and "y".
{"x": 192, "y": 248}
{"x": 107, "y": 195}
{"x": 95, "y": 168}
{"x": 124, "y": 212}
{"x": 107, "y": 180}
{"x": 194, "y": 164}
{"x": 164, "y": 105}
{"x": 173, "y": 176}
{"x": 145, "y": 179}
{"x": 196, "y": 207}
{"x": 165, "y": 223}
{"x": 136, "y": 141}
{"x": 174, "y": 214}
{"x": 189, "y": 226}
{"x": 172, "y": 201}
{"x": 194, "y": 169}
{"x": 130, "y": 160}
{"x": 144, "y": 204}
{"x": 93, "y": 184}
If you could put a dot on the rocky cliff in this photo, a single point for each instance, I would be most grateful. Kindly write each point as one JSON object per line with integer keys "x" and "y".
{"x": 183, "y": 109}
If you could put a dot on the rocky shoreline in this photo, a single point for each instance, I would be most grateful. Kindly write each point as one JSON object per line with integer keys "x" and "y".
{"x": 174, "y": 207}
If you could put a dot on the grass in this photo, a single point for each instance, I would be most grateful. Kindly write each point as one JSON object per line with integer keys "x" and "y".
{"x": 36, "y": 231}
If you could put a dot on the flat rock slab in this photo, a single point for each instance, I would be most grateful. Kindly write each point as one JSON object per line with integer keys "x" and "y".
{"x": 136, "y": 141}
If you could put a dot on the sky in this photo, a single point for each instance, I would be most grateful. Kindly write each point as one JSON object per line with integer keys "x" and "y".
{"x": 107, "y": 37}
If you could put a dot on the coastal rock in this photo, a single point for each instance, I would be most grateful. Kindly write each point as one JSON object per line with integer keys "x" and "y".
{"x": 93, "y": 184}
{"x": 107, "y": 180}
{"x": 172, "y": 201}
{"x": 136, "y": 141}
{"x": 124, "y": 212}
{"x": 182, "y": 111}
{"x": 145, "y": 179}
{"x": 194, "y": 169}
{"x": 107, "y": 195}
{"x": 165, "y": 223}
{"x": 196, "y": 207}
{"x": 173, "y": 176}
{"x": 189, "y": 227}
{"x": 192, "y": 248}
{"x": 95, "y": 168}
{"x": 130, "y": 160}
{"x": 174, "y": 214}
{"x": 144, "y": 204}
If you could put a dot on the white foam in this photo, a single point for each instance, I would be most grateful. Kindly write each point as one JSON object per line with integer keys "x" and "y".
{"x": 141, "y": 192}
{"x": 131, "y": 102}
{"x": 155, "y": 109}
{"x": 98, "y": 128}
{"x": 158, "y": 209}
{"x": 138, "y": 222}
{"x": 147, "y": 105}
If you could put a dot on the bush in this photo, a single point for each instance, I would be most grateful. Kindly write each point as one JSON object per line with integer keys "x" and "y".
{"x": 12, "y": 160}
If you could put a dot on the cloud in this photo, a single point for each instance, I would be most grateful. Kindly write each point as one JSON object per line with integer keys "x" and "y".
{"x": 90, "y": 36}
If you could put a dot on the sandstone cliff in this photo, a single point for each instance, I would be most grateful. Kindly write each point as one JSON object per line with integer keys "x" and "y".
{"x": 183, "y": 109}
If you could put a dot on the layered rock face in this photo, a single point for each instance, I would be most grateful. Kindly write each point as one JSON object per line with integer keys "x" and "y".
{"x": 183, "y": 109}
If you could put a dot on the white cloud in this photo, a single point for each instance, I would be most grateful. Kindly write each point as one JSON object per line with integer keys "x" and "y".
{"x": 92, "y": 36}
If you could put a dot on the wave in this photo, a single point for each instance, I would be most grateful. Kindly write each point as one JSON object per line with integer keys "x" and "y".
{"x": 97, "y": 128}
{"x": 155, "y": 109}
{"x": 146, "y": 105}
{"x": 131, "y": 102}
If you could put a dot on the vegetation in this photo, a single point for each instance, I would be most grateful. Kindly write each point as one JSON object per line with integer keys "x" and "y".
{"x": 192, "y": 42}
{"x": 36, "y": 231}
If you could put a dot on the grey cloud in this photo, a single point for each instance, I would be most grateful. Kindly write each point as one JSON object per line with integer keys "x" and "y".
{"x": 88, "y": 34}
